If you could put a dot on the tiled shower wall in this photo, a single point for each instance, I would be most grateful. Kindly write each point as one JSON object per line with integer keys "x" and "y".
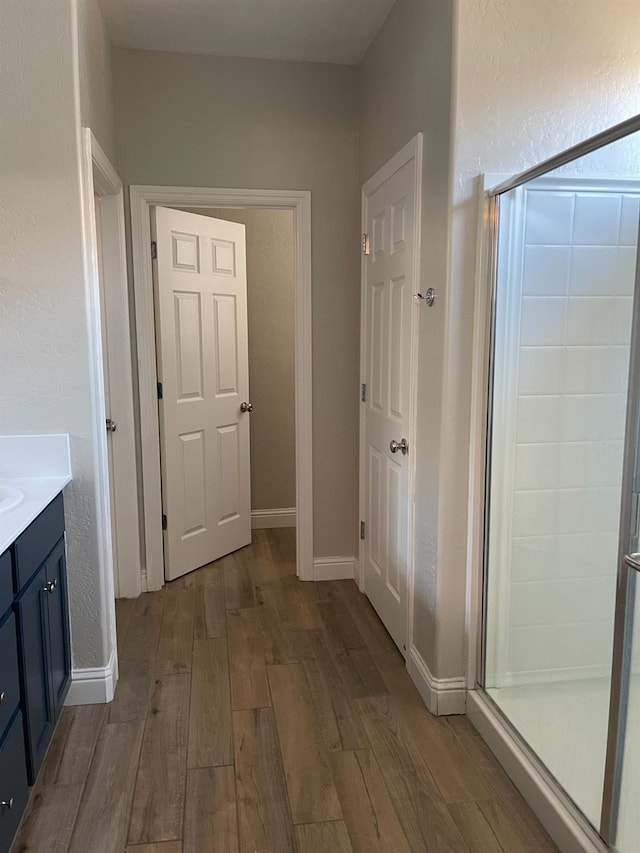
{"x": 576, "y": 273}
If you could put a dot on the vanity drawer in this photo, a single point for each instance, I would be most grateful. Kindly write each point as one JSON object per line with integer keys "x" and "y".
{"x": 14, "y": 790}
{"x": 9, "y": 683}
{"x": 38, "y": 539}
{"x": 6, "y": 582}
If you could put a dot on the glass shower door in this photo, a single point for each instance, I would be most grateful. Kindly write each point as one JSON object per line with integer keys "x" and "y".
{"x": 561, "y": 651}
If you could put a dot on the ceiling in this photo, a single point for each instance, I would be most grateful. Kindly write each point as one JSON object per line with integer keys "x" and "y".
{"x": 314, "y": 30}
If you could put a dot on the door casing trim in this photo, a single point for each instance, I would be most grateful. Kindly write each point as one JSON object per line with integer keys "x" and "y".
{"x": 411, "y": 151}
{"x": 298, "y": 201}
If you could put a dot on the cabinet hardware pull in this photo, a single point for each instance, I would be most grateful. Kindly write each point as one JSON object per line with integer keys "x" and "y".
{"x": 7, "y": 804}
{"x": 2, "y": 697}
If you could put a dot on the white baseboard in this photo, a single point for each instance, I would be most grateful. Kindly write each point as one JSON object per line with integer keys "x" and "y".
{"x": 93, "y": 686}
{"x": 261, "y": 518}
{"x": 334, "y": 568}
{"x": 442, "y": 696}
{"x": 554, "y": 810}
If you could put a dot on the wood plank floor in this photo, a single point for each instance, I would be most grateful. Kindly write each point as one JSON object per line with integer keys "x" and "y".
{"x": 259, "y": 714}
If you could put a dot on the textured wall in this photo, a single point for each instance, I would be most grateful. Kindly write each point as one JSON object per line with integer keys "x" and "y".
{"x": 270, "y": 296}
{"x": 405, "y": 86}
{"x": 96, "y": 77}
{"x": 44, "y": 381}
{"x": 532, "y": 79}
{"x": 216, "y": 122}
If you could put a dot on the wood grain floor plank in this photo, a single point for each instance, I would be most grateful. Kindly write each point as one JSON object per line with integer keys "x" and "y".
{"x": 516, "y": 826}
{"x": 162, "y": 847}
{"x": 209, "y": 607}
{"x": 413, "y": 791}
{"x": 264, "y": 816}
{"x": 455, "y": 773}
{"x": 338, "y": 718}
{"x": 312, "y": 792}
{"x": 280, "y": 635}
{"x": 49, "y": 820}
{"x": 135, "y": 664}
{"x": 238, "y": 586}
{"x": 158, "y": 801}
{"x": 340, "y": 627}
{"x": 359, "y": 673}
{"x": 210, "y": 822}
{"x": 368, "y": 812}
{"x": 176, "y": 634}
{"x": 248, "y": 671}
{"x": 124, "y": 612}
{"x": 376, "y": 637}
{"x": 323, "y": 838}
{"x": 73, "y": 744}
{"x": 210, "y": 735}
{"x": 474, "y": 828}
{"x": 103, "y": 816}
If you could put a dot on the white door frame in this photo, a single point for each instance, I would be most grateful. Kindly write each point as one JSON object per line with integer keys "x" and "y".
{"x": 298, "y": 201}
{"x": 100, "y": 179}
{"x": 412, "y": 151}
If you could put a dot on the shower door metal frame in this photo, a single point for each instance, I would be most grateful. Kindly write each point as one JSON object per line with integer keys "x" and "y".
{"x": 478, "y": 550}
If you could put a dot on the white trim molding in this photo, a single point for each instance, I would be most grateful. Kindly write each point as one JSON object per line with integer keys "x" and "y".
{"x": 298, "y": 201}
{"x": 334, "y": 568}
{"x": 442, "y": 696}
{"x": 93, "y": 686}
{"x": 558, "y": 815}
{"x": 101, "y": 180}
{"x": 263, "y": 518}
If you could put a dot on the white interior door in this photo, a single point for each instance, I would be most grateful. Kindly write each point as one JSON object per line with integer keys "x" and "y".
{"x": 200, "y": 287}
{"x": 389, "y": 215}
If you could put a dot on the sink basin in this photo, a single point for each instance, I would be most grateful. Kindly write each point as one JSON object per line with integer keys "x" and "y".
{"x": 10, "y": 497}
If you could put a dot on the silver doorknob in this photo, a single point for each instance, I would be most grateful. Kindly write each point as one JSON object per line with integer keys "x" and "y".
{"x": 112, "y": 426}
{"x": 402, "y": 445}
{"x": 246, "y": 407}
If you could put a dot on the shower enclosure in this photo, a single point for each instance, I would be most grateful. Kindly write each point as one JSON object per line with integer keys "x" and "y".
{"x": 560, "y": 656}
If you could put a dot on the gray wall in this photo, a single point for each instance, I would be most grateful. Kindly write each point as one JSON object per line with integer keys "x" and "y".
{"x": 271, "y": 302}
{"x": 216, "y": 122}
{"x": 45, "y": 384}
{"x": 405, "y": 87}
{"x": 96, "y": 77}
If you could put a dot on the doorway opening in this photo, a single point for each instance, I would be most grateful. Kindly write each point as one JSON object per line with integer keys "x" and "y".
{"x": 272, "y": 484}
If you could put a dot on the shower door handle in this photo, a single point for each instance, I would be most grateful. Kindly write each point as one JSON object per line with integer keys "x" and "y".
{"x": 633, "y": 561}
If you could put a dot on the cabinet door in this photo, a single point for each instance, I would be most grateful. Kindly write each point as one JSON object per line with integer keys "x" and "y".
{"x": 59, "y": 653}
{"x": 33, "y": 635}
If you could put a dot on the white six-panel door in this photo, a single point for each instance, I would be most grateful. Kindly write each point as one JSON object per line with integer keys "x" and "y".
{"x": 200, "y": 286}
{"x": 388, "y": 304}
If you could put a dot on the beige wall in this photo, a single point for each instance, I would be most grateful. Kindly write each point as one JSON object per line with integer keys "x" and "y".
{"x": 45, "y": 379}
{"x": 96, "y": 77}
{"x": 215, "y": 122}
{"x": 405, "y": 87}
{"x": 270, "y": 295}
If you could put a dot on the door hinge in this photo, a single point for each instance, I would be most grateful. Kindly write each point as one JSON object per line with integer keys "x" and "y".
{"x": 363, "y": 392}
{"x": 365, "y": 245}
{"x": 154, "y": 250}
{"x": 362, "y": 529}
{"x": 164, "y": 521}
{"x": 159, "y": 389}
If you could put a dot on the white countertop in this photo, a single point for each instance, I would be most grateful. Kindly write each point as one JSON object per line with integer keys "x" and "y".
{"x": 37, "y": 465}
{"x": 38, "y": 492}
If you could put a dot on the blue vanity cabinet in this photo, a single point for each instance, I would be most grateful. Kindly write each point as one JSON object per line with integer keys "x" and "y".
{"x": 43, "y": 628}
{"x": 14, "y": 786}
